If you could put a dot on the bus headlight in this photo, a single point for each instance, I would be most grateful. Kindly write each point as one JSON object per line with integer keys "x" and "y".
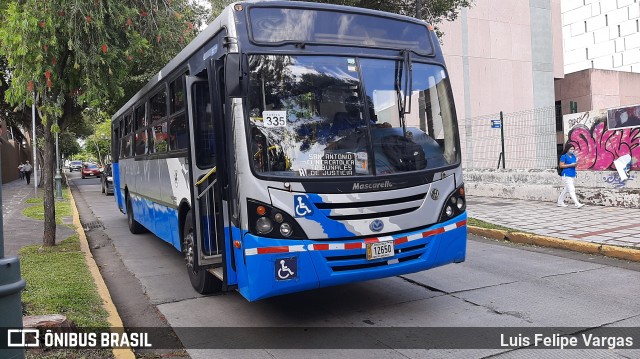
{"x": 454, "y": 206}
{"x": 286, "y": 230}
{"x": 271, "y": 222}
{"x": 448, "y": 211}
{"x": 263, "y": 225}
{"x": 279, "y": 218}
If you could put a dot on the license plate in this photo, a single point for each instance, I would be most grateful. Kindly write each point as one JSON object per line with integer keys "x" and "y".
{"x": 382, "y": 249}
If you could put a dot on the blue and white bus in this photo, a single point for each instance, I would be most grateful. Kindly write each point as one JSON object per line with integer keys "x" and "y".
{"x": 292, "y": 146}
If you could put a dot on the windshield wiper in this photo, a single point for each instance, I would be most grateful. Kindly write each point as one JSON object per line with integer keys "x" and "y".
{"x": 408, "y": 80}
{"x": 403, "y": 91}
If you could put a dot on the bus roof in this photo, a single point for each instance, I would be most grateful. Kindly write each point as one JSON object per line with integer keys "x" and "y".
{"x": 222, "y": 21}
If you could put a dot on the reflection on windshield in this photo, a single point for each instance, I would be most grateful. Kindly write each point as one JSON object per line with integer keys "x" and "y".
{"x": 312, "y": 116}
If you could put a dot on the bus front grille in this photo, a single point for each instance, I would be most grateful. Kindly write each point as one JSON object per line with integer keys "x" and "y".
{"x": 371, "y": 209}
{"x": 359, "y": 261}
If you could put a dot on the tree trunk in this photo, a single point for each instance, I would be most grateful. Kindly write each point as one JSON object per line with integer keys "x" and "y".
{"x": 48, "y": 163}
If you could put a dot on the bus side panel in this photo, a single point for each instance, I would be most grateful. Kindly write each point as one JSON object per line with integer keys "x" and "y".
{"x": 167, "y": 219}
{"x": 172, "y": 218}
{"x": 241, "y": 268}
{"x": 148, "y": 215}
{"x": 117, "y": 191}
{"x": 232, "y": 275}
{"x": 158, "y": 219}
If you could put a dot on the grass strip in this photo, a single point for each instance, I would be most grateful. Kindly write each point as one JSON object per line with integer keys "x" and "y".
{"x": 58, "y": 281}
{"x": 63, "y": 207}
{"x": 482, "y": 224}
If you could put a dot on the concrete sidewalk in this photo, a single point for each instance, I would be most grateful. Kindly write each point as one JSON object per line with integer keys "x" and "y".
{"x": 614, "y": 226}
{"x": 20, "y": 231}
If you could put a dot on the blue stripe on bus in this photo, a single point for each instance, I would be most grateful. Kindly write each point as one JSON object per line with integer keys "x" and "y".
{"x": 314, "y": 270}
{"x": 117, "y": 192}
{"x": 332, "y": 228}
{"x": 158, "y": 219}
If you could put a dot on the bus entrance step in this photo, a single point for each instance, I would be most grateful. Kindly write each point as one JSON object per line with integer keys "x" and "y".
{"x": 217, "y": 272}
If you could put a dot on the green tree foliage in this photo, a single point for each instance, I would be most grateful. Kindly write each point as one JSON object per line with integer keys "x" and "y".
{"x": 67, "y": 55}
{"x": 99, "y": 143}
{"x": 69, "y": 145}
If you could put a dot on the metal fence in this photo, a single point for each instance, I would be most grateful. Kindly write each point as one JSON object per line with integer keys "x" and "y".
{"x": 529, "y": 140}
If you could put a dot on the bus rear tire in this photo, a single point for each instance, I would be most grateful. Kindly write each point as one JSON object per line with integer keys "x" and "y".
{"x": 201, "y": 280}
{"x": 134, "y": 226}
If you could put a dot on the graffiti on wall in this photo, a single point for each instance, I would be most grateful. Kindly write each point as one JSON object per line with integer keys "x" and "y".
{"x": 596, "y": 146}
{"x": 615, "y": 180}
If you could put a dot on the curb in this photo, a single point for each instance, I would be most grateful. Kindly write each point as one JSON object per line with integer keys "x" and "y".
{"x": 113, "y": 317}
{"x": 568, "y": 244}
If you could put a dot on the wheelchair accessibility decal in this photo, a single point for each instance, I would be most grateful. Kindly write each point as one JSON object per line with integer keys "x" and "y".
{"x": 286, "y": 268}
{"x": 302, "y": 206}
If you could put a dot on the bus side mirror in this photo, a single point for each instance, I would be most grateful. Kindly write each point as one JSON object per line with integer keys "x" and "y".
{"x": 236, "y": 76}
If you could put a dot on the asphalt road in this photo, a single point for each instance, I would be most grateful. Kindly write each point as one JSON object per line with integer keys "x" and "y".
{"x": 500, "y": 285}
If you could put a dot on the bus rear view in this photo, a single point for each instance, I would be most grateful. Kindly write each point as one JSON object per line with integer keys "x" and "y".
{"x": 323, "y": 150}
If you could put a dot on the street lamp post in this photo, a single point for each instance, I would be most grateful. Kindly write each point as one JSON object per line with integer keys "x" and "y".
{"x": 58, "y": 177}
{"x": 35, "y": 156}
{"x": 98, "y": 148}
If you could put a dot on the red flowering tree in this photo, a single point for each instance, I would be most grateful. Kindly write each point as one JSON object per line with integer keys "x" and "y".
{"x": 66, "y": 55}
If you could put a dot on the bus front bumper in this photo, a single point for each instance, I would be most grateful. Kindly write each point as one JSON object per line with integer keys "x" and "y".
{"x": 285, "y": 266}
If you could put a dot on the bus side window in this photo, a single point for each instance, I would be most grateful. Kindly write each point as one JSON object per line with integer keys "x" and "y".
{"x": 141, "y": 143}
{"x": 128, "y": 124}
{"x": 205, "y": 147}
{"x": 158, "y": 105}
{"x": 176, "y": 90}
{"x": 127, "y": 146}
{"x": 122, "y": 146}
{"x": 160, "y": 136}
{"x": 178, "y": 139}
{"x": 141, "y": 117}
{"x": 150, "y": 147}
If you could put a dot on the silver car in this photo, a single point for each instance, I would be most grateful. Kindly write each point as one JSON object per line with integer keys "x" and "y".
{"x": 75, "y": 166}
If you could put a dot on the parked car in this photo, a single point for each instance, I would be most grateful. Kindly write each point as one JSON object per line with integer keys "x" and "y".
{"x": 107, "y": 180}
{"x": 90, "y": 170}
{"x": 75, "y": 166}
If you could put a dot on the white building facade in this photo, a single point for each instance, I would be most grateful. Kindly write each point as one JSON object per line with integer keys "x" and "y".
{"x": 601, "y": 34}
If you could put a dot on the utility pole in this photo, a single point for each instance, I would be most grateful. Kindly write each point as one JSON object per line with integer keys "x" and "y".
{"x": 58, "y": 177}
{"x": 35, "y": 156}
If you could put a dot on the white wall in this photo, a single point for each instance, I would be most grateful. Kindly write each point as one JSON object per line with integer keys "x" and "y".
{"x": 601, "y": 34}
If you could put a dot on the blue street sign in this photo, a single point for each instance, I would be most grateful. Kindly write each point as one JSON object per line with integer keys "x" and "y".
{"x": 495, "y": 124}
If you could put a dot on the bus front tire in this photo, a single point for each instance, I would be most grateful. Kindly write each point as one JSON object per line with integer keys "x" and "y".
{"x": 134, "y": 226}
{"x": 201, "y": 280}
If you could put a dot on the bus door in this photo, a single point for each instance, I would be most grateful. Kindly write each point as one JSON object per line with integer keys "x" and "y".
{"x": 205, "y": 173}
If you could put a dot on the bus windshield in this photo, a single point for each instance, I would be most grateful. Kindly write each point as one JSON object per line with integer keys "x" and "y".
{"x": 345, "y": 116}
